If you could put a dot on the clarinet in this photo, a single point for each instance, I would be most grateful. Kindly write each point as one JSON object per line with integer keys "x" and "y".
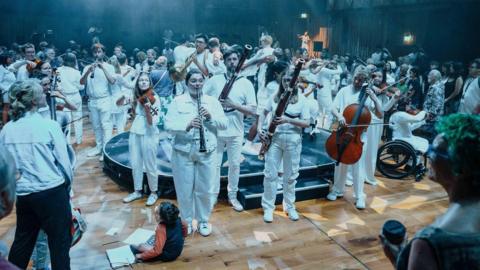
{"x": 53, "y": 103}
{"x": 281, "y": 108}
{"x": 203, "y": 148}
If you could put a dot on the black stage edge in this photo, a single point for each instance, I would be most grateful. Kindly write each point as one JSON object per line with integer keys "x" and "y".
{"x": 316, "y": 170}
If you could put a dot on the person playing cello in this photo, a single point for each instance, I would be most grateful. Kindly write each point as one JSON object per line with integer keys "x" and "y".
{"x": 348, "y": 95}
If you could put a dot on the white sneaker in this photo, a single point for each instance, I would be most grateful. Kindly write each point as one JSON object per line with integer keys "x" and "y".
{"x": 268, "y": 216}
{"x": 292, "y": 214}
{"x": 93, "y": 152}
{"x": 372, "y": 182}
{"x": 236, "y": 205}
{"x": 152, "y": 199}
{"x": 250, "y": 149}
{"x": 132, "y": 197}
{"x": 360, "y": 204}
{"x": 189, "y": 228}
{"x": 349, "y": 183}
{"x": 204, "y": 228}
{"x": 333, "y": 195}
{"x": 101, "y": 158}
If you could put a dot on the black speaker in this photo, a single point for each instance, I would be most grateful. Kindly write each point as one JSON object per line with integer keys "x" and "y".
{"x": 317, "y": 46}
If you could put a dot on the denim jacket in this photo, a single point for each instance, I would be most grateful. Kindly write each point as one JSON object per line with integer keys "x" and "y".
{"x": 184, "y": 109}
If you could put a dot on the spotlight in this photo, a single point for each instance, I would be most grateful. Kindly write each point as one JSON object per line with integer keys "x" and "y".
{"x": 303, "y": 15}
{"x": 408, "y": 38}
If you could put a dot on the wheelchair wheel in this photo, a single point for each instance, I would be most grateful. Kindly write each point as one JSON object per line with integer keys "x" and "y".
{"x": 396, "y": 159}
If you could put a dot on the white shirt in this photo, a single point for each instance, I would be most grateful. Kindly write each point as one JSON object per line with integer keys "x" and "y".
{"x": 22, "y": 72}
{"x": 7, "y": 78}
{"x": 39, "y": 148}
{"x": 140, "y": 125}
{"x": 347, "y": 96}
{"x": 265, "y": 94}
{"x": 182, "y": 111}
{"x": 181, "y": 53}
{"x": 242, "y": 92}
{"x": 325, "y": 77}
{"x": 471, "y": 96}
{"x": 69, "y": 80}
{"x": 298, "y": 110}
{"x": 402, "y": 125}
{"x": 98, "y": 87}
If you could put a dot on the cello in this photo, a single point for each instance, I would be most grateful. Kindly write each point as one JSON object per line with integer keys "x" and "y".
{"x": 344, "y": 144}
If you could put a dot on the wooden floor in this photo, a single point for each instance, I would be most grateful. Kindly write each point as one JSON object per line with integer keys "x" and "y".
{"x": 329, "y": 235}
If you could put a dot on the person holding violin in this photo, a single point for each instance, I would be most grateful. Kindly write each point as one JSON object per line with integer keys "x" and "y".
{"x": 23, "y": 68}
{"x": 98, "y": 78}
{"x": 348, "y": 95}
{"x": 143, "y": 140}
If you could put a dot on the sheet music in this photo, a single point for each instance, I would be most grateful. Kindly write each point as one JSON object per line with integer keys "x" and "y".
{"x": 139, "y": 236}
{"x": 120, "y": 256}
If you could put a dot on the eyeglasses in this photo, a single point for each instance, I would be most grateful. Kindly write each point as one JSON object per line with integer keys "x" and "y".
{"x": 435, "y": 154}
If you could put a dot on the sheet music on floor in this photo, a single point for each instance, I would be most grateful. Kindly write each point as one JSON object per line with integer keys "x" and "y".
{"x": 121, "y": 256}
{"x": 139, "y": 236}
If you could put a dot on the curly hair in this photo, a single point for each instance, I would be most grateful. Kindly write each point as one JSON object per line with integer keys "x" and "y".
{"x": 168, "y": 212}
{"x": 462, "y": 133}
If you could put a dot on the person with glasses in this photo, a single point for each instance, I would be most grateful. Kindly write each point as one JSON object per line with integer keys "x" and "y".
{"x": 470, "y": 102}
{"x": 452, "y": 241}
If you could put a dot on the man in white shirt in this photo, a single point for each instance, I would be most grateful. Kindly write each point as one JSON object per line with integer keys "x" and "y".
{"x": 20, "y": 66}
{"x": 241, "y": 101}
{"x": 346, "y": 96}
{"x": 470, "y": 102}
{"x": 98, "y": 77}
{"x": 7, "y": 78}
{"x": 182, "y": 52}
{"x": 70, "y": 85}
{"x": 259, "y": 62}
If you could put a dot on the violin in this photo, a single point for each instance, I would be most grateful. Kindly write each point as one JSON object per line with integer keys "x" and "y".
{"x": 147, "y": 96}
{"x": 38, "y": 64}
{"x": 344, "y": 144}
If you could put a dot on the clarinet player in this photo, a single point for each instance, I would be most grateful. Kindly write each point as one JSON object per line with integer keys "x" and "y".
{"x": 193, "y": 119}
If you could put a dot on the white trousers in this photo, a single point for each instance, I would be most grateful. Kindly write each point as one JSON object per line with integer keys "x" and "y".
{"x": 194, "y": 179}
{"x": 374, "y": 135}
{"x": 325, "y": 107}
{"x": 119, "y": 120}
{"x": 101, "y": 117}
{"x": 234, "y": 153}
{"x": 76, "y": 99}
{"x": 287, "y": 147}
{"x": 143, "y": 158}
{"x": 358, "y": 174}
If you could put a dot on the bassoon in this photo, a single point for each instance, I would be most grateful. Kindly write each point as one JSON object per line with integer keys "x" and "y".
{"x": 281, "y": 108}
{"x": 228, "y": 86}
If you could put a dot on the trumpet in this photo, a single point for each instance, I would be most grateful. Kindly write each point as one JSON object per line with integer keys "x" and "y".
{"x": 179, "y": 72}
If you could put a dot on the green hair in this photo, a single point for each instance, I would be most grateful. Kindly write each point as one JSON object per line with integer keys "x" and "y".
{"x": 462, "y": 133}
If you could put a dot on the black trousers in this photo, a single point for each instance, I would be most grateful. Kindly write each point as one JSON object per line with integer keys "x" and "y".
{"x": 50, "y": 211}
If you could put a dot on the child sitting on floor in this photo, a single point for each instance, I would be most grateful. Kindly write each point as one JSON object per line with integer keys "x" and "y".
{"x": 167, "y": 243}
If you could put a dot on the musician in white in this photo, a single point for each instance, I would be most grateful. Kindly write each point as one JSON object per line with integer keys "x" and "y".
{"x": 182, "y": 52}
{"x": 325, "y": 72}
{"x": 286, "y": 145}
{"x": 241, "y": 101}
{"x": 346, "y": 96}
{"x": 204, "y": 60}
{"x": 259, "y": 62}
{"x": 70, "y": 84}
{"x": 98, "y": 77}
{"x": 143, "y": 140}
{"x": 194, "y": 171}
{"x": 120, "y": 90}
{"x": 124, "y": 97}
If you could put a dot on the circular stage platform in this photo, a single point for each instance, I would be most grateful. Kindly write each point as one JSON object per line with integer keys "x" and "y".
{"x": 314, "y": 162}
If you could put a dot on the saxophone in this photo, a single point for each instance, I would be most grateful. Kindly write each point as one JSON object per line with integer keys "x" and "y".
{"x": 179, "y": 72}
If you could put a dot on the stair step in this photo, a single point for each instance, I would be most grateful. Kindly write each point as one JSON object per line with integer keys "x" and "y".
{"x": 306, "y": 189}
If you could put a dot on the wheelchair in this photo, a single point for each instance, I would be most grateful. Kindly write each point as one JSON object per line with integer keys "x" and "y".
{"x": 397, "y": 159}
